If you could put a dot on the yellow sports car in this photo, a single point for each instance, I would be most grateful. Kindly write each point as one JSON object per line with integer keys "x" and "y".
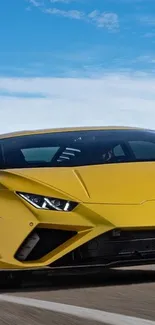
{"x": 77, "y": 198}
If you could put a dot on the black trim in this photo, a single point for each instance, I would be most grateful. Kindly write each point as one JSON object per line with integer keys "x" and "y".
{"x": 116, "y": 247}
{"x": 50, "y": 239}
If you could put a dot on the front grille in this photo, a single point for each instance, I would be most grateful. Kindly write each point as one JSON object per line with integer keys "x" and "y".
{"x": 112, "y": 247}
{"x": 41, "y": 242}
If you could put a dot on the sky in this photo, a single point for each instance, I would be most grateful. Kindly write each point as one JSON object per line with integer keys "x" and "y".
{"x": 76, "y": 63}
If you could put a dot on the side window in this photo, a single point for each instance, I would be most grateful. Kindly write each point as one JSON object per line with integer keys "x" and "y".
{"x": 39, "y": 154}
{"x": 118, "y": 151}
{"x": 143, "y": 149}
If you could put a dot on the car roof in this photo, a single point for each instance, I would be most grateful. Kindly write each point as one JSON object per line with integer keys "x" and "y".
{"x": 69, "y": 129}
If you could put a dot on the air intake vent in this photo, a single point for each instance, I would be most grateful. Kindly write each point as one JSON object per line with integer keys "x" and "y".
{"x": 41, "y": 242}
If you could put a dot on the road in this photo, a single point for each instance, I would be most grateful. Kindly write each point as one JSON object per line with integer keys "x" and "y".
{"x": 127, "y": 292}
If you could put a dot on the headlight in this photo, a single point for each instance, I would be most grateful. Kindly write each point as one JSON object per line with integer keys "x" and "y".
{"x": 48, "y": 203}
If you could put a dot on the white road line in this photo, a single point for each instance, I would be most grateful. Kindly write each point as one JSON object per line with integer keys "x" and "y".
{"x": 85, "y": 313}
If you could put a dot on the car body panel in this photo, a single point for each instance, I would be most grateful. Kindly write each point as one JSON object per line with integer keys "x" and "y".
{"x": 127, "y": 183}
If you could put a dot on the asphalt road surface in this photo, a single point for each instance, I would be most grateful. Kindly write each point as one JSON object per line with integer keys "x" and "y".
{"x": 128, "y": 292}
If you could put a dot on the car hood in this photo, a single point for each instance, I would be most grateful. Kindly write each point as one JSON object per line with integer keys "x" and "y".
{"x": 131, "y": 183}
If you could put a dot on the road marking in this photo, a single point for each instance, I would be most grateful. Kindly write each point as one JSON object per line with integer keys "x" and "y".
{"x": 85, "y": 313}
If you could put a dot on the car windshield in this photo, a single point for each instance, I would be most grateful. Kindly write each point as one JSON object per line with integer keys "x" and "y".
{"x": 77, "y": 148}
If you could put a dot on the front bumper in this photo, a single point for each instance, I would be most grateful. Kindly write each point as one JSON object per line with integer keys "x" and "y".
{"x": 114, "y": 248}
{"x": 91, "y": 235}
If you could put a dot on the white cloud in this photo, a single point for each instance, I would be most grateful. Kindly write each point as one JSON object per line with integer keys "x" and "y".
{"x": 111, "y": 100}
{"x": 74, "y": 14}
{"x": 35, "y": 3}
{"x": 107, "y": 20}
{"x": 104, "y": 19}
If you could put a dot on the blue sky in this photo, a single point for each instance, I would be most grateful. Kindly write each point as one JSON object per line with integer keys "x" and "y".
{"x": 77, "y": 62}
{"x": 76, "y": 37}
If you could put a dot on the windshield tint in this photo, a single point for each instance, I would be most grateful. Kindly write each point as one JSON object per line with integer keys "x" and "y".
{"x": 78, "y": 148}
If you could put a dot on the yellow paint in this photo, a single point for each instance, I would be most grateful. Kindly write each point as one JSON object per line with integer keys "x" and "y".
{"x": 109, "y": 196}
